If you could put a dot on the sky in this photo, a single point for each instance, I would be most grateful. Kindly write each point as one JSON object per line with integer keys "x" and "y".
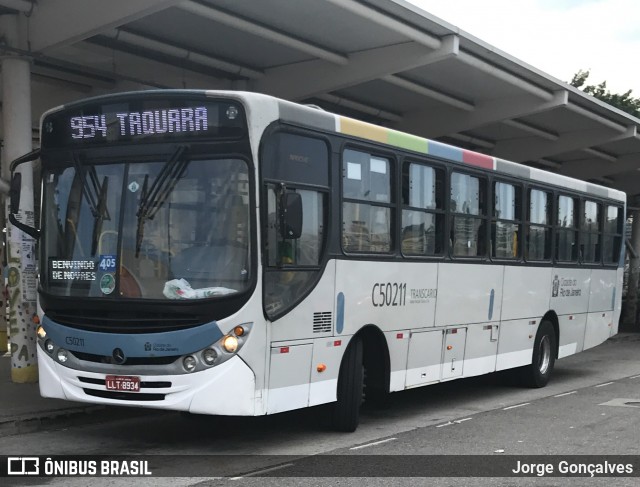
{"x": 558, "y": 37}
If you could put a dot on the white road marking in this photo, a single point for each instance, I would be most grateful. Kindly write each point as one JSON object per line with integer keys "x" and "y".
{"x": 635, "y": 377}
{"x": 622, "y": 402}
{"x": 455, "y": 421}
{"x": 566, "y": 394}
{"x": 373, "y": 444}
{"x": 605, "y": 384}
{"x": 516, "y": 406}
{"x": 264, "y": 470}
{"x": 458, "y": 421}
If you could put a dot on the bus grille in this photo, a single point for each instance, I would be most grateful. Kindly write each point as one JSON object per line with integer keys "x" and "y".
{"x": 106, "y": 359}
{"x": 322, "y": 322}
{"x": 125, "y": 396}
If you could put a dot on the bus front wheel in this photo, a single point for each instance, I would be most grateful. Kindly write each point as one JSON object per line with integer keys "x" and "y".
{"x": 544, "y": 356}
{"x": 346, "y": 410}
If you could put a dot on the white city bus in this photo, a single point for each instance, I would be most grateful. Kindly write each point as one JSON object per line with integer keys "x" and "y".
{"x": 231, "y": 253}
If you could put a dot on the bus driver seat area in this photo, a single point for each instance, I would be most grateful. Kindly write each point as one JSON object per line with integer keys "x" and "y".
{"x": 219, "y": 260}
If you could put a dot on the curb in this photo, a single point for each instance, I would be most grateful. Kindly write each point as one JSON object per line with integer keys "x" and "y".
{"x": 65, "y": 418}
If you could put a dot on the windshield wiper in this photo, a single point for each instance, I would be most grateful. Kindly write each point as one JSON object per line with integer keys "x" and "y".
{"x": 102, "y": 214}
{"x": 96, "y": 196}
{"x": 152, "y": 200}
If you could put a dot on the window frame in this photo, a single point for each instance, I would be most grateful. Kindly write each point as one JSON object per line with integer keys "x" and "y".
{"x": 519, "y": 221}
{"x": 407, "y": 162}
{"x": 547, "y": 227}
{"x": 263, "y": 184}
{"x": 584, "y": 231}
{"x": 483, "y": 217}
{"x": 619, "y": 231}
{"x": 575, "y": 228}
{"x": 392, "y": 205}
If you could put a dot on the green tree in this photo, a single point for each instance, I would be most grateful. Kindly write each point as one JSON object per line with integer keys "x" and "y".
{"x": 624, "y": 102}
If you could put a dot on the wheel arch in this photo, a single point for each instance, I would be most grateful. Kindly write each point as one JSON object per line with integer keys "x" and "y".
{"x": 376, "y": 357}
{"x": 552, "y": 318}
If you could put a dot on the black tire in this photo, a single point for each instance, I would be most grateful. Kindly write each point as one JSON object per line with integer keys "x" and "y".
{"x": 375, "y": 395}
{"x": 346, "y": 411}
{"x": 543, "y": 359}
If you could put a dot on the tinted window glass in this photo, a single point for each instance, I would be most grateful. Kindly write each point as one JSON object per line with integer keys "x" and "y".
{"x": 366, "y": 177}
{"x": 539, "y": 207}
{"x": 506, "y": 201}
{"x": 296, "y": 158}
{"x": 566, "y": 212}
{"x": 466, "y": 194}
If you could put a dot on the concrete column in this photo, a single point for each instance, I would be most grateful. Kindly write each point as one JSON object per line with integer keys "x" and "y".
{"x": 631, "y": 303}
{"x": 4, "y": 343}
{"x": 16, "y": 117}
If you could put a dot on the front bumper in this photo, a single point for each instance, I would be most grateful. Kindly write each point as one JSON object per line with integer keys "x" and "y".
{"x": 226, "y": 389}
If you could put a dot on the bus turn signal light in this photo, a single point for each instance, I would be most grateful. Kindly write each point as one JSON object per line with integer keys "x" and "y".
{"x": 238, "y": 331}
{"x": 321, "y": 368}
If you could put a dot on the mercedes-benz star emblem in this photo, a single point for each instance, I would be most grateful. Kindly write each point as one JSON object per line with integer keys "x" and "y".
{"x": 118, "y": 356}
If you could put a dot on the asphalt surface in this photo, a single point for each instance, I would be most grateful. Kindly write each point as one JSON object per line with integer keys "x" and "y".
{"x": 591, "y": 407}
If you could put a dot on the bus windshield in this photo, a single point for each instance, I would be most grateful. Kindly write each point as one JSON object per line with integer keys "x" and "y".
{"x": 169, "y": 229}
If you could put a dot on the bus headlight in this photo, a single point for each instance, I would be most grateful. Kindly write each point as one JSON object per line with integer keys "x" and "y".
{"x": 220, "y": 351}
{"x": 49, "y": 346}
{"x": 63, "y": 355}
{"x": 209, "y": 356}
{"x": 232, "y": 112}
{"x": 189, "y": 363}
{"x": 230, "y": 343}
{"x": 41, "y": 333}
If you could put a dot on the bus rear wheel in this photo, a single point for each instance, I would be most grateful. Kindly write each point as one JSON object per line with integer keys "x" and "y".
{"x": 544, "y": 357}
{"x": 346, "y": 410}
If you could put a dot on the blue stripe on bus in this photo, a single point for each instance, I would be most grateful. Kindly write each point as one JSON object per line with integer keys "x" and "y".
{"x": 491, "y": 299}
{"x": 340, "y": 313}
{"x": 445, "y": 151}
{"x": 178, "y": 342}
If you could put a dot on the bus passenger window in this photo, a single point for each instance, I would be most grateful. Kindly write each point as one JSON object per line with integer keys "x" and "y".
{"x": 366, "y": 208}
{"x": 613, "y": 222}
{"x": 423, "y": 211}
{"x": 538, "y": 234}
{"x": 505, "y": 228}
{"x": 566, "y": 230}
{"x": 468, "y": 210}
{"x": 591, "y": 228}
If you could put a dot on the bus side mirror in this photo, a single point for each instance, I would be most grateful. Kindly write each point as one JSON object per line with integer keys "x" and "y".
{"x": 291, "y": 205}
{"x": 15, "y": 190}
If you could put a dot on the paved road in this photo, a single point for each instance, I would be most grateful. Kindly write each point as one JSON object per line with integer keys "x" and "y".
{"x": 589, "y": 408}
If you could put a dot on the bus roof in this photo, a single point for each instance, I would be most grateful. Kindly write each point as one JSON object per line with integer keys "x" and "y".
{"x": 319, "y": 119}
{"x": 312, "y": 117}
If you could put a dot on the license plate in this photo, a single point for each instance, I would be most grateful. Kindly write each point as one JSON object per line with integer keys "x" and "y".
{"x": 127, "y": 383}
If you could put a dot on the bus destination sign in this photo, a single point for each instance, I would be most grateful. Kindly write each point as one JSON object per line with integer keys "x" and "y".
{"x": 126, "y": 119}
{"x": 149, "y": 122}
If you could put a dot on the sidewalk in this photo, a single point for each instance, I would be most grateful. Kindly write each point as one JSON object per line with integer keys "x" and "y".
{"x": 22, "y": 409}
